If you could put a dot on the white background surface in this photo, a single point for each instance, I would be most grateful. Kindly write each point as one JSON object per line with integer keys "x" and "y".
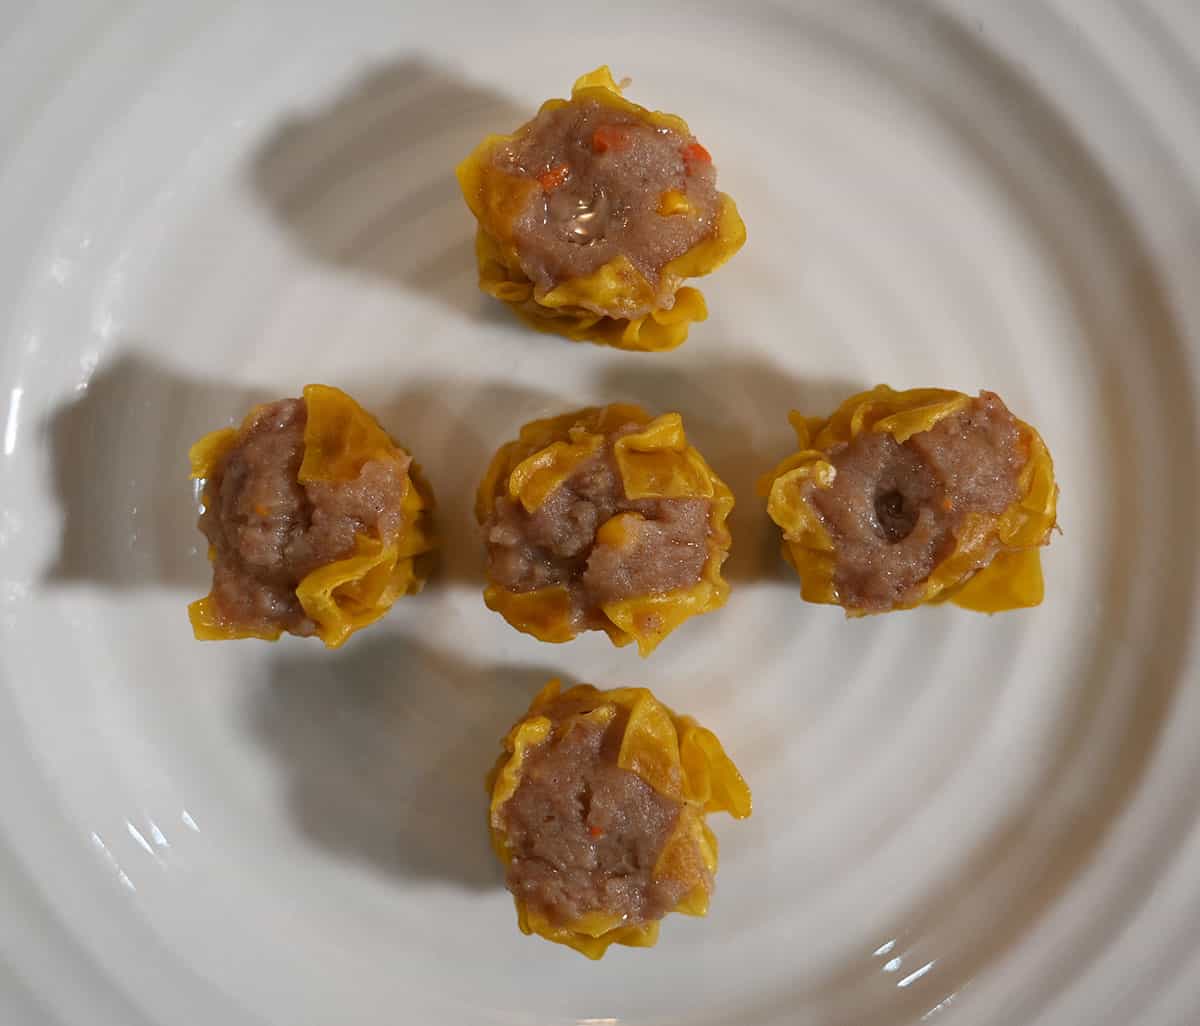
{"x": 971, "y": 819}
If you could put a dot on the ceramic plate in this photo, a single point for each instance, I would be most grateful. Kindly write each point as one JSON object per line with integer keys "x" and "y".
{"x": 959, "y": 818}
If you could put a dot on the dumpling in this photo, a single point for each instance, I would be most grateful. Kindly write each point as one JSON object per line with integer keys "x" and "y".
{"x": 598, "y": 807}
{"x": 316, "y": 520}
{"x": 603, "y": 519}
{"x": 903, "y": 498}
{"x": 592, "y": 215}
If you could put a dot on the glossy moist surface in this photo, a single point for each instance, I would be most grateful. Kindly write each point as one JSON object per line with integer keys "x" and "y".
{"x": 665, "y": 545}
{"x": 585, "y": 834}
{"x": 894, "y": 509}
{"x": 268, "y": 531}
{"x": 602, "y": 175}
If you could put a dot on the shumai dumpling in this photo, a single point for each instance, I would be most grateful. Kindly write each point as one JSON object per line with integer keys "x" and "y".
{"x": 904, "y": 498}
{"x": 316, "y": 520}
{"x": 603, "y": 519}
{"x": 598, "y": 808}
{"x": 592, "y": 215}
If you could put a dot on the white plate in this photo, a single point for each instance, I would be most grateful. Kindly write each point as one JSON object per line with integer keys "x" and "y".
{"x": 206, "y": 204}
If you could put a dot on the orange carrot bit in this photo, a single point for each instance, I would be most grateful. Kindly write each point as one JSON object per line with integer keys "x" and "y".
{"x": 553, "y": 178}
{"x": 261, "y": 510}
{"x": 694, "y": 154}
{"x": 610, "y": 137}
{"x": 596, "y": 831}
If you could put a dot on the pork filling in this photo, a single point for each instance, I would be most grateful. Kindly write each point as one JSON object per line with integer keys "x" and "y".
{"x": 894, "y": 510}
{"x": 609, "y": 185}
{"x": 661, "y": 544}
{"x": 585, "y": 835}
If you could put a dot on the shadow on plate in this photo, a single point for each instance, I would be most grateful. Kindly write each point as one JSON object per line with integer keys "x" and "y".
{"x": 367, "y": 182}
{"x": 118, "y": 454}
{"x": 386, "y": 745}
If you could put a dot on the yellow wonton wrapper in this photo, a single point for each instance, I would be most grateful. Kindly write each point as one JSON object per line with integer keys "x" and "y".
{"x": 605, "y": 306}
{"x": 344, "y": 596}
{"x": 1013, "y": 577}
{"x": 675, "y": 755}
{"x": 654, "y": 463}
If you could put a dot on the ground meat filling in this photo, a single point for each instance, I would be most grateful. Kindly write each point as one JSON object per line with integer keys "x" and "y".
{"x": 585, "y": 835}
{"x": 893, "y": 510}
{"x": 268, "y": 531}
{"x": 603, "y": 176}
{"x": 663, "y": 547}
